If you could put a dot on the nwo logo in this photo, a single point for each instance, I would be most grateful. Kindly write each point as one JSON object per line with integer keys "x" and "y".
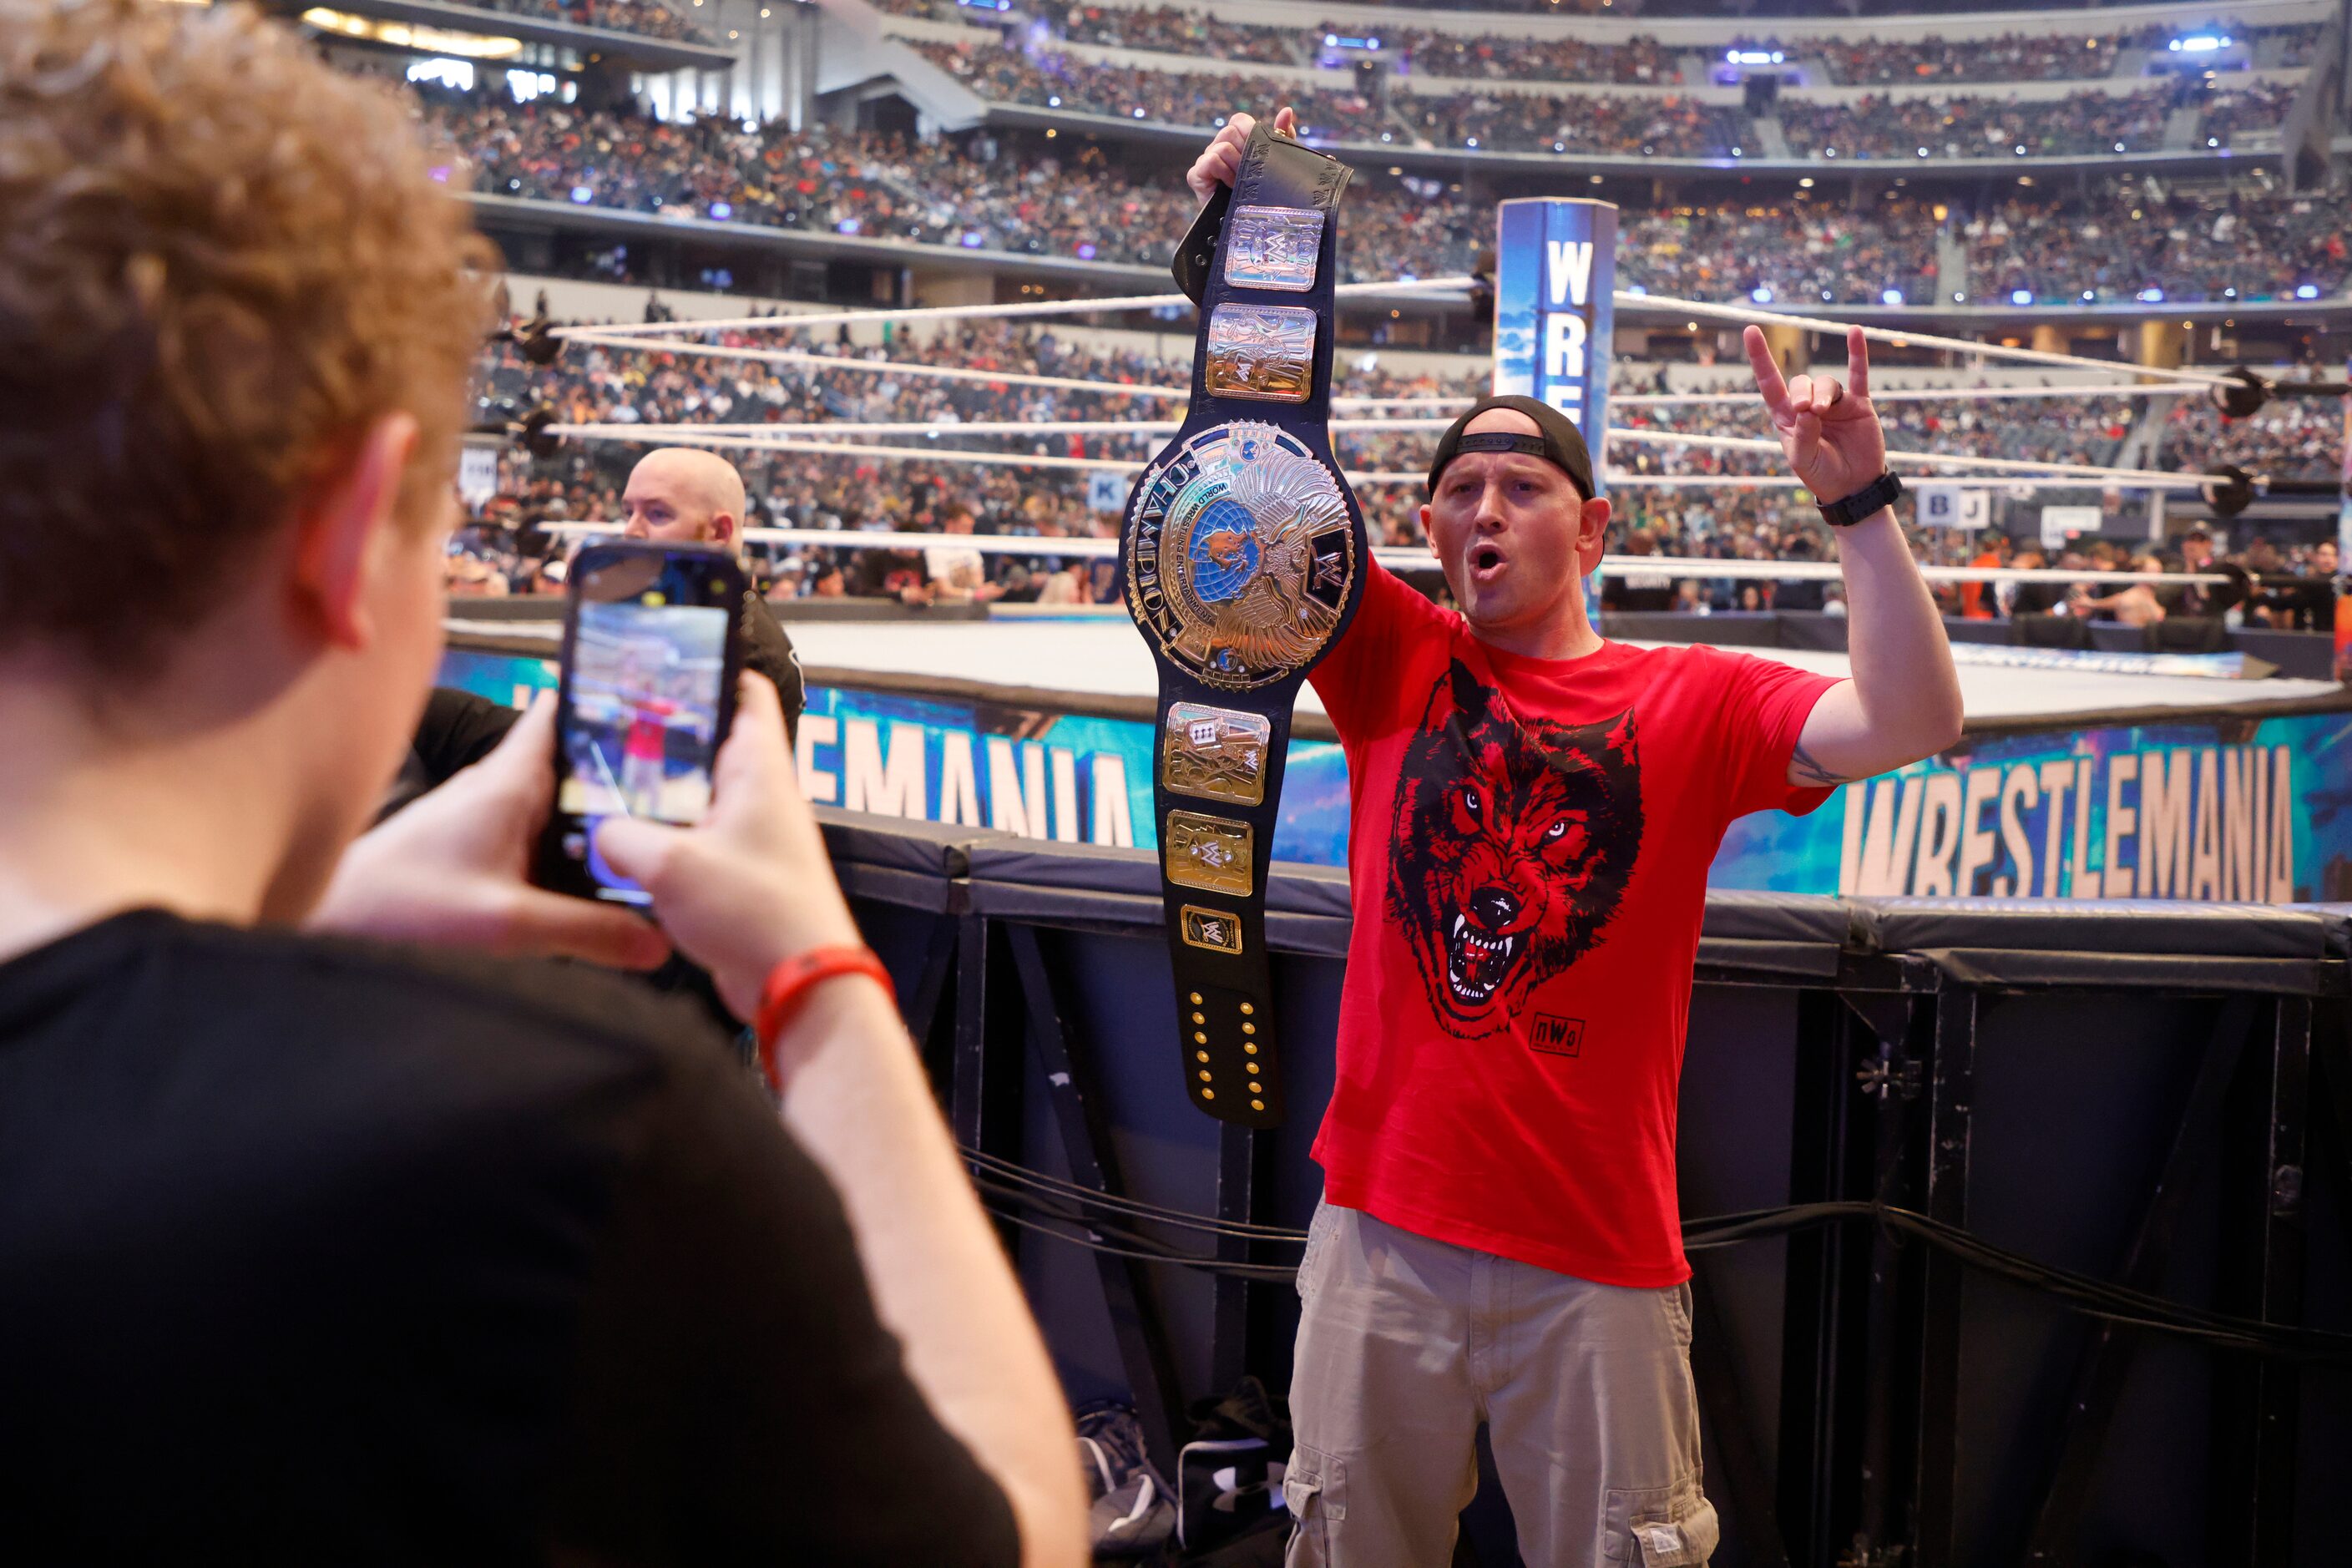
{"x": 1510, "y": 852}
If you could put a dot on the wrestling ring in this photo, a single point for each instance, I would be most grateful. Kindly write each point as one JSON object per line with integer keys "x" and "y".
{"x": 1036, "y": 720}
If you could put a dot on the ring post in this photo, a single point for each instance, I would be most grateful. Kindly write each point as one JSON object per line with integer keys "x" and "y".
{"x": 2343, "y": 600}
{"x": 1555, "y": 311}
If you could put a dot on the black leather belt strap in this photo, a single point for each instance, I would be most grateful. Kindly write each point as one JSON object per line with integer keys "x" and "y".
{"x": 1244, "y": 555}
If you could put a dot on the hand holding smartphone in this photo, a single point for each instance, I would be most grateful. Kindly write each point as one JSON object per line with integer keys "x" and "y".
{"x": 652, "y": 648}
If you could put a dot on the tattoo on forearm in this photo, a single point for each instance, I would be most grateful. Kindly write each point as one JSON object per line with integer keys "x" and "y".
{"x": 1803, "y": 765}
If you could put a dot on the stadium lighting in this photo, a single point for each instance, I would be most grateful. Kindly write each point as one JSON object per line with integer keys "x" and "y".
{"x": 848, "y": 226}
{"x": 1806, "y": 184}
{"x": 720, "y": 212}
{"x": 1086, "y": 251}
{"x": 1891, "y": 296}
{"x": 1635, "y": 289}
{"x": 2199, "y": 44}
{"x": 1331, "y": 40}
{"x": 2088, "y": 296}
{"x": 2212, "y": 141}
{"x": 1753, "y": 57}
{"x": 2021, "y": 296}
{"x": 583, "y": 194}
{"x": 2229, "y": 293}
{"x": 1761, "y": 294}
{"x": 1471, "y": 143}
{"x": 1138, "y": 113}
{"x": 1923, "y": 152}
{"x": 2119, "y": 147}
{"x": 2151, "y": 296}
{"x": 2308, "y": 292}
{"x": 1959, "y": 297}
{"x": 1056, "y": 103}
{"x": 1559, "y": 146}
{"x": 2021, "y": 149}
{"x": 1737, "y": 153}
{"x": 971, "y": 239}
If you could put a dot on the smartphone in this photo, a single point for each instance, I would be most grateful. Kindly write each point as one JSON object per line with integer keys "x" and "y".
{"x": 652, "y": 645}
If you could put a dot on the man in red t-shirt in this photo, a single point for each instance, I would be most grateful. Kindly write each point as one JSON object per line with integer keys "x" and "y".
{"x": 1535, "y": 811}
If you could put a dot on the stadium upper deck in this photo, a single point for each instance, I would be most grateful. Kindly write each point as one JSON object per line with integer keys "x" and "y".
{"x": 2161, "y": 88}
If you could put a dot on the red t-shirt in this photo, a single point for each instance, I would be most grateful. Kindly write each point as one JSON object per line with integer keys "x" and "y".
{"x": 1528, "y": 854}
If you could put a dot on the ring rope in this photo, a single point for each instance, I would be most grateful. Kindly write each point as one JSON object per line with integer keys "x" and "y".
{"x": 1655, "y": 304}
{"x": 1664, "y": 305}
{"x": 610, "y": 338}
{"x": 1918, "y": 393}
{"x": 883, "y": 367}
{"x": 1407, "y": 559}
{"x": 811, "y": 319}
{"x": 810, "y": 438}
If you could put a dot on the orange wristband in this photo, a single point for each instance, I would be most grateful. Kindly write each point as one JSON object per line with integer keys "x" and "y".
{"x": 788, "y": 987}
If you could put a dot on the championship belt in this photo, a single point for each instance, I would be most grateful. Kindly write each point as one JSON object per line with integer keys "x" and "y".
{"x": 1244, "y": 556}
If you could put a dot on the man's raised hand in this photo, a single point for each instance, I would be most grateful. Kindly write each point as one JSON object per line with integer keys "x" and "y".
{"x": 1832, "y": 435}
{"x": 1221, "y": 160}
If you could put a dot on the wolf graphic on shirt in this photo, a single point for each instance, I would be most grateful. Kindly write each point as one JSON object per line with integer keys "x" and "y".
{"x": 1509, "y": 850}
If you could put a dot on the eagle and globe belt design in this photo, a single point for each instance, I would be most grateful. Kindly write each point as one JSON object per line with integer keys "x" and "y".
{"x": 1244, "y": 552}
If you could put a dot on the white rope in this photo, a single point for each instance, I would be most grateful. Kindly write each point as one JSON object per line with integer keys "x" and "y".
{"x": 1919, "y": 393}
{"x": 891, "y": 367}
{"x": 2131, "y": 479}
{"x": 601, "y": 339}
{"x": 813, "y": 320}
{"x": 1405, "y": 559}
{"x": 700, "y": 436}
{"x": 1661, "y": 304}
{"x": 812, "y": 438}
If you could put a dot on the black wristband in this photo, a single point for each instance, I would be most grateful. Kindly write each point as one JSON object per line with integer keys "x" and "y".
{"x": 1882, "y": 491}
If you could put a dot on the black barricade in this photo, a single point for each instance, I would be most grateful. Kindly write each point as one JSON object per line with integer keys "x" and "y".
{"x": 2150, "y": 1095}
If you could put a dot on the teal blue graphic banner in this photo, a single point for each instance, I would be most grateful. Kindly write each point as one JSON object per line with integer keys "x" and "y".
{"x": 2202, "y": 809}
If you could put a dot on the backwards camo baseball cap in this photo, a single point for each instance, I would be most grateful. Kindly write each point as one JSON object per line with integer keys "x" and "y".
{"x": 1560, "y": 443}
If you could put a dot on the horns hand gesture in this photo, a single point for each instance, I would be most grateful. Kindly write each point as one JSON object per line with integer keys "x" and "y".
{"x": 1830, "y": 433}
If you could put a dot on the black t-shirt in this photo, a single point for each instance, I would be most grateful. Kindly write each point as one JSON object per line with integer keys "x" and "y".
{"x": 322, "y": 1252}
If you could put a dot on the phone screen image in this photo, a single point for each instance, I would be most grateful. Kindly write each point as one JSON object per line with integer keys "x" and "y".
{"x": 642, "y": 719}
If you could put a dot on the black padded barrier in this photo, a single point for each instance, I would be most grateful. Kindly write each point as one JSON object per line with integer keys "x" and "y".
{"x": 2152, "y": 1095}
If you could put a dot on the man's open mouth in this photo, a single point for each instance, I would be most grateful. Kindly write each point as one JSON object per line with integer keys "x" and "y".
{"x": 1476, "y": 962}
{"x": 1486, "y": 558}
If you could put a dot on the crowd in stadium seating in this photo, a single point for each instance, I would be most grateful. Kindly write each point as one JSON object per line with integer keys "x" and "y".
{"x": 601, "y": 386}
{"x": 2243, "y": 243}
{"x": 1875, "y": 126}
{"x": 1786, "y": 253}
{"x": 1637, "y": 61}
{"x": 649, "y": 17}
{"x": 1664, "y": 127}
{"x": 1966, "y": 127}
{"x": 2115, "y": 244}
{"x": 1170, "y": 30}
{"x": 1203, "y": 99}
{"x": 2258, "y": 106}
{"x": 2288, "y": 438}
{"x": 826, "y": 181}
{"x": 2017, "y": 56}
